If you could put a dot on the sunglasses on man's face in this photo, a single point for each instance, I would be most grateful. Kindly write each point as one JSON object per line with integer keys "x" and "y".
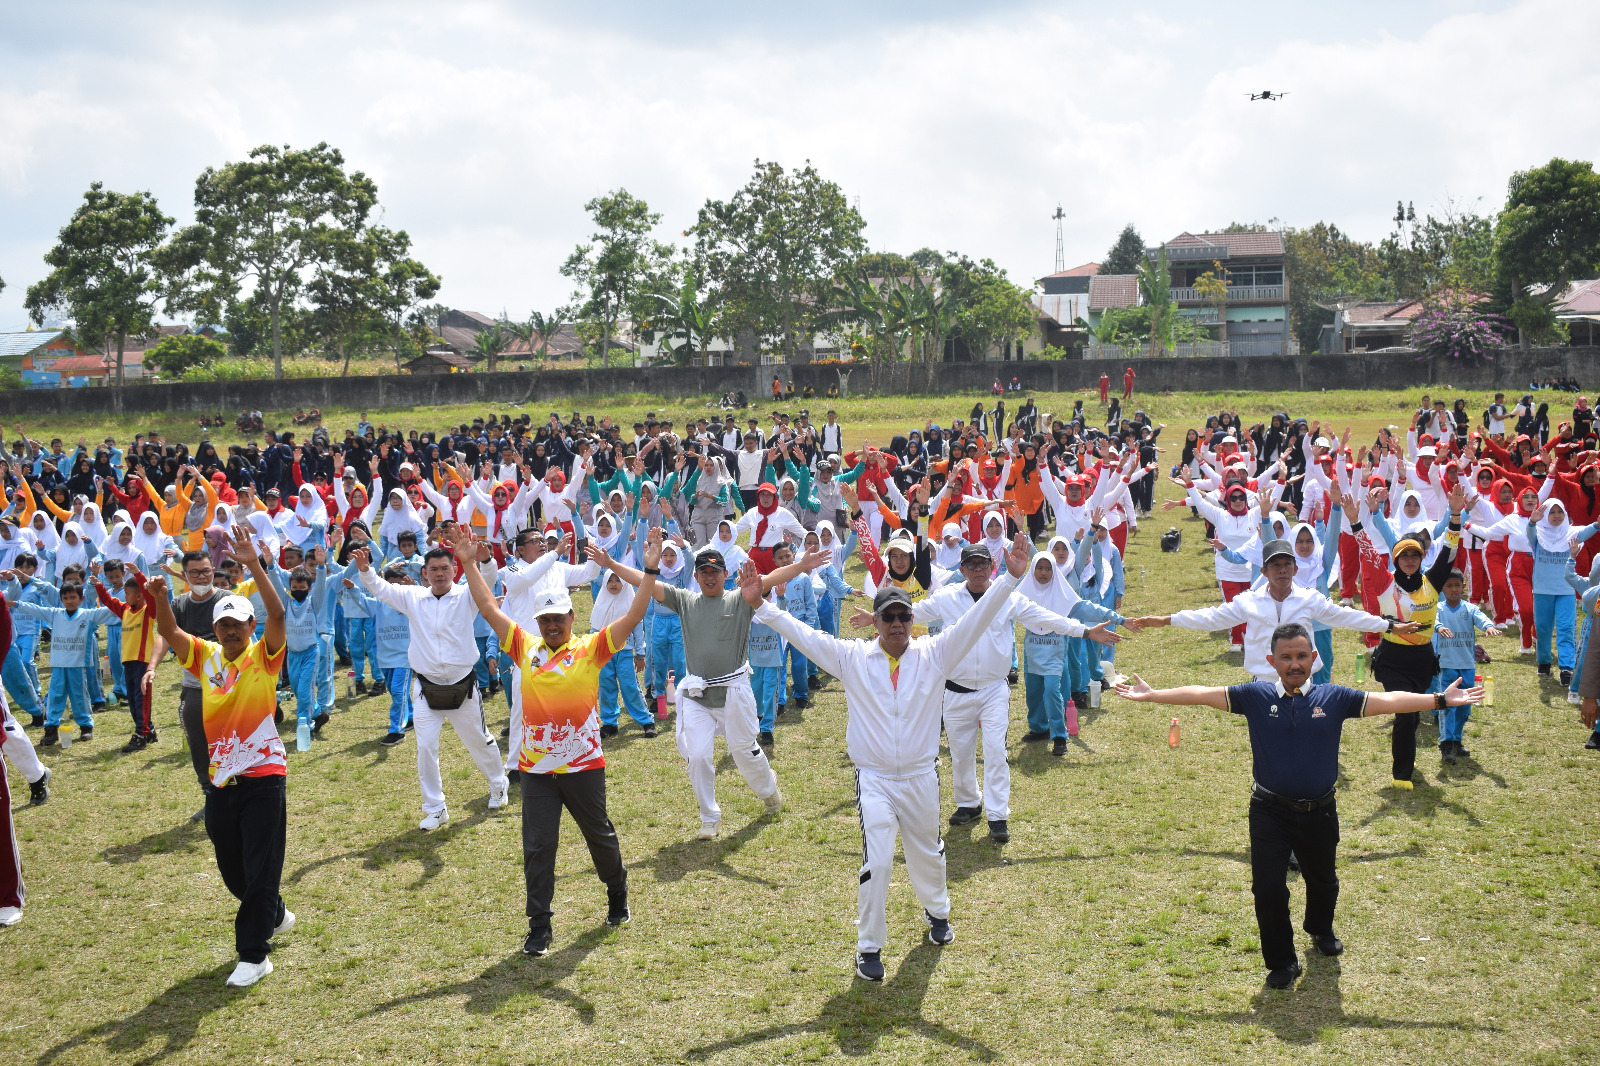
{"x": 896, "y": 617}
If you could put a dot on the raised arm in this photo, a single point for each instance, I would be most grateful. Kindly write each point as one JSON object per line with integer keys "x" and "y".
{"x": 465, "y": 546}
{"x": 1138, "y": 690}
{"x": 952, "y": 644}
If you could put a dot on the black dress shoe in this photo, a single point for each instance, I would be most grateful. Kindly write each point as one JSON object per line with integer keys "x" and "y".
{"x": 966, "y": 815}
{"x": 617, "y": 912}
{"x": 1059, "y": 748}
{"x": 537, "y": 942}
{"x": 999, "y": 832}
{"x": 1284, "y": 976}
{"x": 1328, "y": 944}
{"x": 1031, "y": 737}
{"x": 1446, "y": 751}
{"x": 1593, "y": 743}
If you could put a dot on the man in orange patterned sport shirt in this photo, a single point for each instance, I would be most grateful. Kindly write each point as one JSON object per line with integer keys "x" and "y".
{"x": 556, "y": 731}
{"x": 246, "y": 811}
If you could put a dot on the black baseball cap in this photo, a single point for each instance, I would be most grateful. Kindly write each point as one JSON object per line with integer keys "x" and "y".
{"x": 709, "y": 559}
{"x": 976, "y": 552}
{"x": 1274, "y": 548}
{"x": 889, "y": 595}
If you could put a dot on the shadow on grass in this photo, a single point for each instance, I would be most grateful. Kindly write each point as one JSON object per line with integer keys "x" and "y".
{"x": 186, "y": 836}
{"x": 493, "y": 990}
{"x": 173, "y": 1018}
{"x": 676, "y": 861}
{"x": 1425, "y": 799}
{"x": 1303, "y": 1015}
{"x": 859, "y": 1017}
{"x": 411, "y": 845}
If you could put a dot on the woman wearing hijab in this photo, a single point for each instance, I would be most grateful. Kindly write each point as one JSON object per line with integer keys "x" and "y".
{"x": 43, "y": 540}
{"x": 1554, "y": 542}
{"x": 148, "y": 539}
{"x": 1512, "y": 530}
{"x": 1407, "y": 662}
{"x": 118, "y": 545}
{"x": 619, "y": 683}
{"x": 1045, "y": 655}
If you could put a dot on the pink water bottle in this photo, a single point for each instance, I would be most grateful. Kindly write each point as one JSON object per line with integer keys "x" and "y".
{"x": 1072, "y": 718}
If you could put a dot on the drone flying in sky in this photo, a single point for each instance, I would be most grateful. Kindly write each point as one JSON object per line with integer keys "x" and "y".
{"x": 1267, "y": 94}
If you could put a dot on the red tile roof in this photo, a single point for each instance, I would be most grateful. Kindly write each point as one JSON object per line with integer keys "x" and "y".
{"x": 1396, "y": 311}
{"x": 1238, "y": 244}
{"x": 1113, "y": 290}
{"x": 1581, "y": 298}
{"x": 1087, "y": 270}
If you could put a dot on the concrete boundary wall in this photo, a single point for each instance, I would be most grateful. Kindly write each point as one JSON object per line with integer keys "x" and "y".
{"x": 1510, "y": 371}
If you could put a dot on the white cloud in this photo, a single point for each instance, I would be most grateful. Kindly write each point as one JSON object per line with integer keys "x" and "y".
{"x": 487, "y": 127}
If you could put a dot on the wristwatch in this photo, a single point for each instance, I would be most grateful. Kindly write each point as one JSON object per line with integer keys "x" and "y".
{"x": 1390, "y": 627}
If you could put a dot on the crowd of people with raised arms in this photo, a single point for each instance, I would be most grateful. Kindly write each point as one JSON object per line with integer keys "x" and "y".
{"x": 440, "y": 570}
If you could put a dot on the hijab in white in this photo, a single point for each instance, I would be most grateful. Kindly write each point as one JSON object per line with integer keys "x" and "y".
{"x": 1307, "y": 572}
{"x": 113, "y": 548}
{"x": 1053, "y": 594}
{"x": 996, "y": 545}
{"x": 725, "y": 543}
{"x": 604, "y": 541}
{"x": 221, "y": 520}
{"x": 610, "y": 606}
{"x": 1554, "y": 536}
{"x": 669, "y": 571}
{"x": 148, "y": 540}
{"x": 834, "y": 544}
{"x": 41, "y": 533}
{"x": 94, "y": 524}
{"x": 944, "y": 555}
{"x": 307, "y": 517}
{"x": 72, "y": 552}
{"x": 265, "y": 532}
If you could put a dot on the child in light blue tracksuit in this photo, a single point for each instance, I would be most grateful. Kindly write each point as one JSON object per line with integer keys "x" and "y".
{"x": 1463, "y": 621}
{"x": 666, "y": 628}
{"x": 21, "y": 673}
{"x": 359, "y": 636}
{"x": 306, "y": 592}
{"x": 766, "y": 654}
{"x": 619, "y": 681}
{"x": 799, "y": 598}
{"x": 69, "y": 626}
{"x": 1589, "y": 589}
{"x": 1104, "y": 590}
{"x": 327, "y": 610}
{"x": 1081, "y": 664}
{"x": 1554, "y": 608}
{"x": 391, "y": 638}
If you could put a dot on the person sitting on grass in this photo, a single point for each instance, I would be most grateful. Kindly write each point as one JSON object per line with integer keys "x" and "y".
{"x": 1295, "y": 728}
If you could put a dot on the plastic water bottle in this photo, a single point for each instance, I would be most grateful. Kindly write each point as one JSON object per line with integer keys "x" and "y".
{"x": 349, "y": 684}
{"x": 65, "y": 736}
{"x": 1488, "y": 691}
{"x": 302, "y": 736}
{"x": 1361, "y": 668}
{"x": 1094, "y": 694}
{"x": 1172, "y": 734}
{"x": 672, "y": 687}
{"x": 1072, "y": 718}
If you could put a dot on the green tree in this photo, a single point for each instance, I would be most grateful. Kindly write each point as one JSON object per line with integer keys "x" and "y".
{"x": 988, "y": 308}
{"x": 1547, "y": 235}
{"x": 539, "y": 330}
{"x": 615, "y": 262}
{"x": 272, "y": 219}
{"x": 1155, "y": 287}
{"x": 489, "y": 343}
{"x": 774, "y": 249}
{"x": 1126, "y": 254}
{"x": 362, "y": 296}
{"x": 687, "y": 314}
{"x": 1323, "y": 265}
{"x": 103, "y": 269}
{"x": 1213, "y": 287}
{"x": 175, "y": 355}
{"x": 1451, "y": 253}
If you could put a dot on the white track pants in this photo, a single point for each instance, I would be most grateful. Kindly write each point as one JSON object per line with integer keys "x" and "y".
{"x": 698, "y": 726}
{"x": 966, "y": 714}
{"x": 909, "y": 806}
{"x": 19, "y": 749}
{"x": 470, "y": 727}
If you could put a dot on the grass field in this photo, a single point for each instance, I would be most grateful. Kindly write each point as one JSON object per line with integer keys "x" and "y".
{"x": 1116, "y": 927}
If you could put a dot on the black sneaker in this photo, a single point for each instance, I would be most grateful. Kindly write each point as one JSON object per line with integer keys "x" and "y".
{"x": 1544, "y": 669}
{"x": 783, "y": 709}
{"x": 1011, "y": 678}
{"x": 391, "y": 739}
{"x": 98, "y": 708}
{"x": 1328, "y": 944}
{"x": 361, "y": 687}
{"x": 617, "y": 912}
{"x": 39, "y": 791}
{"x": 966, "y": 815}
{"x": 135, "y": 743}
{"x": 1284, "y": 976}
{"x": 1446, "y": 752}
{"x": 52, "y": 733}
{"x": 869, "y": 965}
{"x": 1059, "y": 748}
{"x": 1566, "y": 678}
{"x": 537, "y": 942}
{"x": 1081, "y": 701}
{"x": 939, "y": 931}
{"x": 318, "y": 722}
{"x": 1033, "y": 738}
{"x": 999, "y": 831}
{"x": 802, "y": 702}
{"x": 607, "y": 732}
{"x": 649, "y": 730}
{"x": 151, "y": 737}
{"x": 1461, "y": 752}
{"x": 767, "y": 739}
{"x": 37, "y": 722}
{"x": 506, "y": 732}
{"x": 1593, "y": 743}
{"x": 87, "y": 732}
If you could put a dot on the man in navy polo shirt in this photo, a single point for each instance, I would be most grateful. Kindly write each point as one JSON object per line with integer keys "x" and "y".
{"x": 1294, "y": 746}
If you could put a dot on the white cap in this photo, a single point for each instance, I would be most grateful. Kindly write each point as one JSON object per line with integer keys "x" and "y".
{"x": 407, "y": 466}
{"x": 554, "y": 602}
{"x": 901, "y": 541}
{"x": 235, "y": 607}
{"x": 1324, "y": 442}
{"x": 1427, "y": 450}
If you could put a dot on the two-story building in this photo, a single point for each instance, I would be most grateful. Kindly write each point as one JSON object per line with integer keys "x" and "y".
{"x": 1254, "y": 319}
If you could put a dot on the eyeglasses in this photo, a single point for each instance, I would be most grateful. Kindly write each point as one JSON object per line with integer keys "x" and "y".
{"x": 896, "y": 617}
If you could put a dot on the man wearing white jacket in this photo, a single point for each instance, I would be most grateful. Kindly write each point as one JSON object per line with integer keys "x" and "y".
{"x": 894, "y": 687}
{"x": 976, "y": 694}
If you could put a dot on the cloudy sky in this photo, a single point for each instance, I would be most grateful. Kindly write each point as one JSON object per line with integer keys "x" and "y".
{"x": 488, "y": 125}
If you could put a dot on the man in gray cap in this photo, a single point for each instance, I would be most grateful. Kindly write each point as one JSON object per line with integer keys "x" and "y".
{"x": 976, "y": 695}
{"x": 894, "y": 690}
{"x": 1278, "y": 602}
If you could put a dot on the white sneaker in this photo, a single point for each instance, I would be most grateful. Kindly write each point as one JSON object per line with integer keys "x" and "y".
{"x": 248, "y": 973}
{"x": 497, "y": 795}
{"x": 708, "y": 830}
{"x": 774, "y": 802}
{"x": 10, "y": 915}
{"x": 433, "y": 821}
{"x": 1572, "y": 697}
{"x": 285, "y": 925}
{"x": 1524, "y": 651}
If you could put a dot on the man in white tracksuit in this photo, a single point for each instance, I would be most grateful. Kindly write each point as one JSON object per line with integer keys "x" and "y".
{"x": 894, "y": 688}
{"x": 976, "y": 693}
{"x": 443, "y": 655}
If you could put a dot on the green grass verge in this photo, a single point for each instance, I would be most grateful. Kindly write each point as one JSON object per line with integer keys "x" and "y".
{"x": 1116, "y": 927}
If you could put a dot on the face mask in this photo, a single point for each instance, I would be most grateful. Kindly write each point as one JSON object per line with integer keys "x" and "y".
{"x": 300, "y": 594}
{"x": 200, "y": 589}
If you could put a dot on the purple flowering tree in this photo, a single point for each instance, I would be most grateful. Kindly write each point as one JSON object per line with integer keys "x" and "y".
{"x": 1442, "y": 332}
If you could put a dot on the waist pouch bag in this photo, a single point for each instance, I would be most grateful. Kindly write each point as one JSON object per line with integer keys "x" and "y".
{"x": 446, "y": 697}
